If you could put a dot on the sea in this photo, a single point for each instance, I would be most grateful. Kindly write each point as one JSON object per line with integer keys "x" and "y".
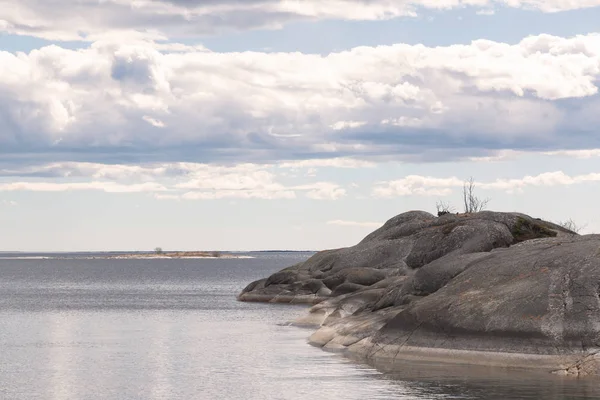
{"x": 83, "y": 326}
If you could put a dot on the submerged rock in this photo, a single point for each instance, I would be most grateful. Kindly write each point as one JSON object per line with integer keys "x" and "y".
{"x": 487, "y": 288}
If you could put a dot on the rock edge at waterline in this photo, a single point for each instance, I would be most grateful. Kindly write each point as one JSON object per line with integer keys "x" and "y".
{"x": 489, "y": 288}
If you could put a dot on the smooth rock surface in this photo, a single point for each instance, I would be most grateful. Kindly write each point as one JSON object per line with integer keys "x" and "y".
{"x": 490, "y": 288}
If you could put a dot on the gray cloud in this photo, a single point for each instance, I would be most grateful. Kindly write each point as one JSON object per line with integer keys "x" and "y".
{"x": 62, "y": 19}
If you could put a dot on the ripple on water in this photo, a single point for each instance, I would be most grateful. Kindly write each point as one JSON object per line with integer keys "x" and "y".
{"x": 171, "y": 329}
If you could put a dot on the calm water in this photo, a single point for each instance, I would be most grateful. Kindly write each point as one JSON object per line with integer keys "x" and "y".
{"x": 171, "y": 329}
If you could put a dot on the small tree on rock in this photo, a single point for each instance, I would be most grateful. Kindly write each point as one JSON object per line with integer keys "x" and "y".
{"x": 158, "y": 250}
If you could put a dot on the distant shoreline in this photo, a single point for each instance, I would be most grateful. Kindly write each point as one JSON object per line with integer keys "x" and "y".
{"x": 119, "y": 253}
{"x": 142, "y": 255}
{"x": 165, "y": 255}
{"x": 175, "y": 254}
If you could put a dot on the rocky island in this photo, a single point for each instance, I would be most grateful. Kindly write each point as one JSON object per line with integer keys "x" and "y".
{"x": 175, "y": 254}
{"x": 487, "y": 288}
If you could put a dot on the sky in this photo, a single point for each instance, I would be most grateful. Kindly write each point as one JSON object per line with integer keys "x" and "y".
{"x": 280, "y": 124}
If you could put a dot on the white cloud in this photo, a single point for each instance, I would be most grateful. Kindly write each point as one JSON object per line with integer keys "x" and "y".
{"x": 265, "y": 189}
{"x": 240, "y": 194}
{"x": 429, "y": 186}
{"x": 243, "y": 182}
{"x": 115, "y": 172}
{"x": 176, "y": 47}
{"x": 355, "y": 223}
{"x": 501, "y": 155}
{"x": 190, "y": 181}
{"x": 109, "y": 187}
{"x": 10, "y": 203}
{"x": 550, "y": 5}
{"x": 60, "y": 20}
{"x": 339, "y": 125}
{"x": 311, "y": 172}
{"x": 511, "y": 155}
{"x": 328, "y": 162}
{"x": 323, "y": 191}
{"x": 257, "y": 179}
{"x": 416, "y": 185}
{"x": 144, "y": 172}
{"x": 557, "y": 178}
{"x": 161, "y": 196}
{"x": 154, "y": 122}
{"x": 272, "y": 106}
{"x": 486, "y": 12}
{"x": 583, "y": 154}
{"x": 402, "y": 121}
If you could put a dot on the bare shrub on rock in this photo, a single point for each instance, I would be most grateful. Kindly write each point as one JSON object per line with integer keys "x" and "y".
{"x": 472, "y": 203}
{"x": 443, "y": 208}
{"x": 572, "y": 226}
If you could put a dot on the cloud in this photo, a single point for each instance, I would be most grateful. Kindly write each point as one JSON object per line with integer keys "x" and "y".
{"x": 327, "y": 162}
{"x": 241, "y": 182}
{"x": 347, "y": 124}
{"x": 109, "y": 187}
{"x": 268, "y": 191}
{"x": 311, "y": 172}
{"x": 154, "y": 122}
{"x": 557, "y": 178}
{"x": 131, "y": 101}
{"x": 323, "y": 191}
{"x": 430, "y": 186}
{"x": 510, "y": 155}
{"x": 416, "y": 185}
{"x": 169, "y": 181}
{"x": 161, "y": 196}
{"x": 9, "y": 203}
{"x": 200, "y": 175}
{"x": 62, "y": 20}
{"x": 115, "y": 172}
{"x": 583, "y": 154}
{"x": 253, "y": 179}
{"x": 240, "y": 194}
{"x": 502, "y": 155}
{"x": 355, "y": 223}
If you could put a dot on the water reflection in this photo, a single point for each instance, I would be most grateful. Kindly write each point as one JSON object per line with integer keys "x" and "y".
{"x": 60, "y": 342}
{"x": 150, "y": 331}
{"x": 159, "y": 354}
{"x": 432, "y": 381}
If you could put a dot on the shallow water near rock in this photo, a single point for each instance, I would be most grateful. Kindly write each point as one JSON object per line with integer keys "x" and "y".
{"x": 82, "y": 328}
